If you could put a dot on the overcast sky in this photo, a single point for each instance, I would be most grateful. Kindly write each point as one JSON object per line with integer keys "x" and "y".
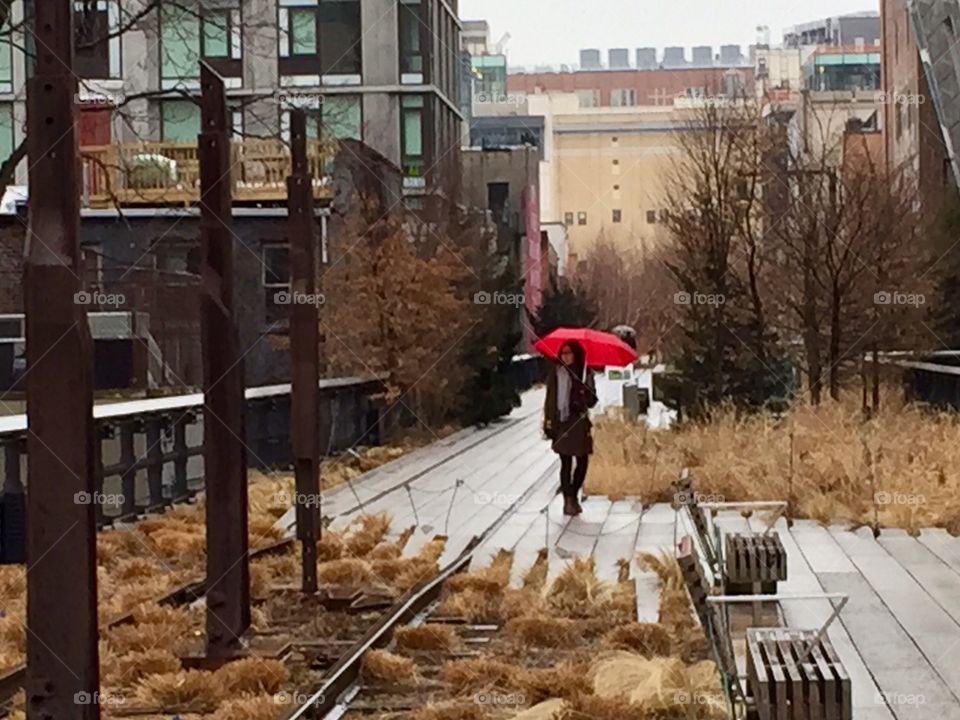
{"x": 552, "y": 32}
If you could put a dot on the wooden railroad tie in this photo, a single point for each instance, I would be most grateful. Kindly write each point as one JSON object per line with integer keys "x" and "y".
{"x": 789, "y": 680}
{"x": 755, "y": 563}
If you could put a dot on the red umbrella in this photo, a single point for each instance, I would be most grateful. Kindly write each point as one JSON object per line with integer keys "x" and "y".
{"x": 601, "y": 348}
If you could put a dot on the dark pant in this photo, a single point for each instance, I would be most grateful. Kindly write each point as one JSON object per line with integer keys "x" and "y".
{"x": 571, "y": 481}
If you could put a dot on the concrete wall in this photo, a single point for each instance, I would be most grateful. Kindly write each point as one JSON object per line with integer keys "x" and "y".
{"x": 381, "y": 124}
{"x": 518, "y": 167}
{"x": 381, "y": 61}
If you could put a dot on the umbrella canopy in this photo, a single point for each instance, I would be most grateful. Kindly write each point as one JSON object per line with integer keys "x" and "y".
{"x": 601, "y": 348}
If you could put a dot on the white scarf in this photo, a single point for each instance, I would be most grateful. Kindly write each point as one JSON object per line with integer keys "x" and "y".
{"x": 563, "y": 393}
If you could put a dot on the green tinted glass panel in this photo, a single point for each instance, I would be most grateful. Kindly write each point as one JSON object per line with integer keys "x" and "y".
{"x": 412, "y": 132}
{"x": 303, "y": 31}
{"x": 179, "y": 43}
{"x": 181, "y": 121}
{"x": 216, "y": 36}
{"x": 6, "y": 56}
{"x": 342, "y": 117}
{"x": 6, "y": 131}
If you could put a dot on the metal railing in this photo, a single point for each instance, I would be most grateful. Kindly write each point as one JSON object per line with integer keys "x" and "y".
{"x": 150, "y": 451}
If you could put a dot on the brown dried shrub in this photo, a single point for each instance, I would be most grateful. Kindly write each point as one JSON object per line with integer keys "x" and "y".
{"x": 252, "y": 675}
{"x": 189, "y": 690}
{"x": 386, "y": 667}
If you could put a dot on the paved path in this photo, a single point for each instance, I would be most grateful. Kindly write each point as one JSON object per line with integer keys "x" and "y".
{"x": 898, "y": 637}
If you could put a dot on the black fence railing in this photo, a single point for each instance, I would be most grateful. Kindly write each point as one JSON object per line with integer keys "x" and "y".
{"x": 150, "y": 452}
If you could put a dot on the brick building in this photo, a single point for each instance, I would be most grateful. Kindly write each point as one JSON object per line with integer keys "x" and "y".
{"x": 913, "y": 140}
{"x": 629, "y": 88}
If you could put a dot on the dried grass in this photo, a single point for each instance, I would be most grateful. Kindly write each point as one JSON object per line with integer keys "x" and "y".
{"x": 350, "y": 572}
{"x": 134, "y": 666}
{"x": 518, "y": 602}
{"x": 369, "y": 531}
{"x": 470, "y": 675}
{"x": 591, "y": 707}
{"x": 546, "y": 710}
{"x": 660, "y": 685}
{"x": 128, "y": 638}
{"x": 252, "y": 675}
{"x": 330, "y": 546}
{"x": 193, "y": 690}
{"x": 843, "y": 468}
{"x": 456, "y": 710}
{"x": 536, "y": 575}
{"x": 386, "y": 667}
{"x": 250, "y": 707}
{"x": 426, "y": 637}
{"x": 566, "y": 680}
{"x": 542, "y": 631}
{"x": 646, "y": 639}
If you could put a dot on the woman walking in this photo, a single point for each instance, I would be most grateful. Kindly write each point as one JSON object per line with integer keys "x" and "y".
{"x": 570, "y": 395}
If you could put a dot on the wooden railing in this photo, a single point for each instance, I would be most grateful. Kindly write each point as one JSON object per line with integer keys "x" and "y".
{"x": 168, "y": 173}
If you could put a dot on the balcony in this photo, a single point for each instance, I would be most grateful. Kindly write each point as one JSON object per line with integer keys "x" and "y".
{"x": 168, "y": 173}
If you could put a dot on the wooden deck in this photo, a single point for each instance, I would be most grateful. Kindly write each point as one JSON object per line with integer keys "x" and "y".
{"x": 898, "y": 636}
{"x": 168, "y": 173}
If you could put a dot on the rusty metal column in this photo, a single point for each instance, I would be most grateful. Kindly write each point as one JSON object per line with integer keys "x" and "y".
{"x": 62, "y": 657}
{"x": 304, "y": 350}
{"x": 224, "y": 451}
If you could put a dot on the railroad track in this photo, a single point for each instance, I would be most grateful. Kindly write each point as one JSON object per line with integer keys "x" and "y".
{"x": 11, "y": 682}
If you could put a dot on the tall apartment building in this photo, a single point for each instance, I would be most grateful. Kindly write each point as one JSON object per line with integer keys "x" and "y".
{"x": 385, "y": 72}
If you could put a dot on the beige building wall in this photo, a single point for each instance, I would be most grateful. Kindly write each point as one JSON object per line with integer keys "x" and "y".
{"x": 604, "y": 169}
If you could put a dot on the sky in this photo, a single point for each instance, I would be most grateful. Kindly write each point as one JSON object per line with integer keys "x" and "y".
{"x": 551, "y": 32}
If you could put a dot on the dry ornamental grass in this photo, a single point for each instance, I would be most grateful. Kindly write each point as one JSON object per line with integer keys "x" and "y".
{"x": 898, "y": 469}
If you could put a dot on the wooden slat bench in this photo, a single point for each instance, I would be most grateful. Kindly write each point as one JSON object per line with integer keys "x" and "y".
{"x": 787, "y": 679}
{"x": 754, "y": 563}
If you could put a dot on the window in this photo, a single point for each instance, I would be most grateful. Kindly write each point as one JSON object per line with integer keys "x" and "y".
{"x": 623, "y": 98}
{"x": 6, "y": 61}
{"x": 6, "y": 130}
{"x": 341, "y": 116}
{"x": 412, "y": 26}
{"x": 588, "y": 98}
{"x": 411, "y": 135}
{"x": 96, "y": 54}
{"x": 276, "y": 266}
{"x": 615, "y": 167}
{"x": 179, "y": 45}
{"x": 180, "y": 121}
{"x": 616, "y": 192}
{"x": 568, "y": 219}
{"x": 222, "y": 34}
{"x": 320, "y": 38}
{"x": 303, "y": 31}
{"x": 340, "y": 38}
{"x": 617, "y": 216}
{"x": 581, "y": 218}
{"x": 651, "y": 217}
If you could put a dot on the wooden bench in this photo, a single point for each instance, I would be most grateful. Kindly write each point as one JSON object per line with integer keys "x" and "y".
{"x": 795, "y": 675}
{"x": 754, "y": 563}
{"x": 749, "y": 563}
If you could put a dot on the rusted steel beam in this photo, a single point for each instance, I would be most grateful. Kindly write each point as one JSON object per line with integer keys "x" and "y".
{"x": 224, "y": 456}
{"x": 62, "y": 679}
{"x": 304, "y": 351}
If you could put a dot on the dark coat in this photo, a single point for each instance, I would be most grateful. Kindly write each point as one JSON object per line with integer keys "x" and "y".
{"x": 573, "y": 436}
